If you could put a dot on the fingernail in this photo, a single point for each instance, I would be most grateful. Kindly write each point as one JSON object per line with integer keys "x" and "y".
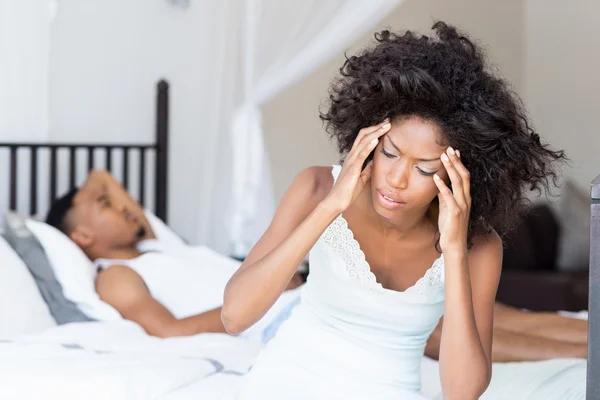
{"x": 386, "y": 126}
{"x": 451, "y": 151}
{"x": 436, "y": 177}
{"x": 458, "y": 153}
{"x": 374, "y": 141}
{"x": 445, "y": 157}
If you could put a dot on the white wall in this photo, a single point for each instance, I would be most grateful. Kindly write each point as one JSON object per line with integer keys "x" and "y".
{"x": 294, "y": 134}
{"x": 561, "y": 66}
{"x": 24, "y": 48}
{"x": 548, "y": 50}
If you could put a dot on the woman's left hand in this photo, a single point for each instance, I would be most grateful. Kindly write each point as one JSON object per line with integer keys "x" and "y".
{"x": 455, "y": 204}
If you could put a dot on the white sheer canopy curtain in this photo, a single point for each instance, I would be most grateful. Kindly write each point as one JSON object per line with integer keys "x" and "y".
{"x": 282, "y": 42}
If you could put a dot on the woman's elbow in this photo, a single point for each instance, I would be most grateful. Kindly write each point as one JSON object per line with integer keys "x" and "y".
{"x": 232, "y": 316}
{"x": 482, "y": 384}
{"x": 239, "y": 311}
{"x": 486, "y": 378}
{"x": 464, "y": 394}
{"x": 473, "y": 389}
{"x": 232, "y": 323}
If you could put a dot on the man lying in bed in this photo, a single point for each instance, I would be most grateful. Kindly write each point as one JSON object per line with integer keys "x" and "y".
{"x": 169, "y": 293}
{"x": 169, "y": 296}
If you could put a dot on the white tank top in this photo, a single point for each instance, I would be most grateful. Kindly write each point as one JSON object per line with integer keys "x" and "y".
{"x": 349, "y": 338}
{"x": 188, "y": 283}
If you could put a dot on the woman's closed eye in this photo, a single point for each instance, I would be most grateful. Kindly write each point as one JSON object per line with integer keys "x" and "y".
{"x": 425, "y": 173}
{"x": 422, "y": 172}
{"x": 385, "y": 153}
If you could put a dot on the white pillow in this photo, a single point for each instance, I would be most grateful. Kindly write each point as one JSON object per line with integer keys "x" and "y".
{"x": 74, "y": 271}
{"x": 22, "y": 308}
{"x": 163, "y": 233}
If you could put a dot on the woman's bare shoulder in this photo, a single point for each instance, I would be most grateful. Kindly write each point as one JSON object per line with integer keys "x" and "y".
{"x": 489, "y": 242}
{"x": 312, "y": 183}
{"x": 486, "y": 253}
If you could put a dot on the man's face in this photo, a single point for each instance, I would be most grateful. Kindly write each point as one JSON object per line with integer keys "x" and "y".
{"x": 99, "y": 223}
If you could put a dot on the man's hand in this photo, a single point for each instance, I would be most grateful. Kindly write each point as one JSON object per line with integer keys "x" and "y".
{"x": 118, "y": 196}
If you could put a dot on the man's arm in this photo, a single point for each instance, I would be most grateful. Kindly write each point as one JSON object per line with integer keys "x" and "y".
{"x": 125, "y": 290}
{"x": 512, "y": 346}
{"x": 119, "y": 197}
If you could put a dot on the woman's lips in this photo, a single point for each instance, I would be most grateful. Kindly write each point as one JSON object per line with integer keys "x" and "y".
{"x": 388, "y": 202}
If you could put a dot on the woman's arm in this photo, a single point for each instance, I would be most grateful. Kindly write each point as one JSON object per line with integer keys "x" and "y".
{"x": 471, "y": 281}
{"x": 308, "y": 207}
{"x": 298, "y": 222}
{"x": 466, "y": 339}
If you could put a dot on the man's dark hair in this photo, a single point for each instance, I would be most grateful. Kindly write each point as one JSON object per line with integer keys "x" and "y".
{"x": 57, "y": 215}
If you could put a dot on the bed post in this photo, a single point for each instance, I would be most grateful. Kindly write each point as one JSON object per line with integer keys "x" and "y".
{"x": 593, "y": 363}
{"x": 162, "y": 149}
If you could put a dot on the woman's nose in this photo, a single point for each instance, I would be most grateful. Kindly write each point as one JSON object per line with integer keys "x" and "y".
{"x": 399, "y": 176}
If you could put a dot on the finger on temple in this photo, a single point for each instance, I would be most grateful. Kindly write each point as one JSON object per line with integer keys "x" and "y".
{"x": 464, "y": 174}
{"x": 455, "y": 178}
{"x": 445, "y": 191}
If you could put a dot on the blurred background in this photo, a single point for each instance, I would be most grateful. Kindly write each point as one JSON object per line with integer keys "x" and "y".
{"x": 246, "y": 82}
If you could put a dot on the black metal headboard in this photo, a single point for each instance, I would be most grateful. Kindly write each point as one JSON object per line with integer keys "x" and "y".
{"x": 159, "y": 148}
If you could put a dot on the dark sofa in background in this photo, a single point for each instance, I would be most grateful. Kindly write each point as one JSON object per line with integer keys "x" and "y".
{"x": 531, "y": 277}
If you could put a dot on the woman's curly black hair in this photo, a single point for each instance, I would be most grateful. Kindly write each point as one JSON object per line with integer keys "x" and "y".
{"x": 445, "y": 79}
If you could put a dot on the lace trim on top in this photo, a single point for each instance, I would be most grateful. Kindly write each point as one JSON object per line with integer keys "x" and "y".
{"x": 434, "y": 277}
{"x": 340, "y": 238}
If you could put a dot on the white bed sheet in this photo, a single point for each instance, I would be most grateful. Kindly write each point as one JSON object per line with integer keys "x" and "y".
{"x": 558, "y": 379}
{"x": 561, "y": 379}
{"x": 118, "y": 360}
{"x": 115, "y": 360}
{"x": 220, "y": 386}
{"x": 123, "y": 337}
{"x": 41, "y": 371}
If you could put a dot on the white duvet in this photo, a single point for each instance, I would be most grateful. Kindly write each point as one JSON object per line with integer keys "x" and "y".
{"x": 118, "y": 360}
{"x": 558, "y": 379}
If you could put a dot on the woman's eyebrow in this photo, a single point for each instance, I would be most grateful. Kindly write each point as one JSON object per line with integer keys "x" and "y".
{"x": 420, "y": 159}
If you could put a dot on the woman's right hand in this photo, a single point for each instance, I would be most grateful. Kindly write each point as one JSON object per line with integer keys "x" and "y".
{"x": 352, "y": 178}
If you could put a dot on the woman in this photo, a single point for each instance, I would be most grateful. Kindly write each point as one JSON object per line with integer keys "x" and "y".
{"x": 437, "y": 153}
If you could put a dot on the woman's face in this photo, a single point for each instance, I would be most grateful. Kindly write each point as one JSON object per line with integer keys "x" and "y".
{"x": 404, "y": 163}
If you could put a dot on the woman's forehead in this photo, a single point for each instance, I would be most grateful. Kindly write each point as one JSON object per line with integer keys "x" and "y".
{"x": 417, "y": 136}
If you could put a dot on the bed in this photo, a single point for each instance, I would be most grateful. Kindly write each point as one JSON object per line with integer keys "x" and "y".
{"x": 116, "y": 359}
{"x": 95, "y": 359}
